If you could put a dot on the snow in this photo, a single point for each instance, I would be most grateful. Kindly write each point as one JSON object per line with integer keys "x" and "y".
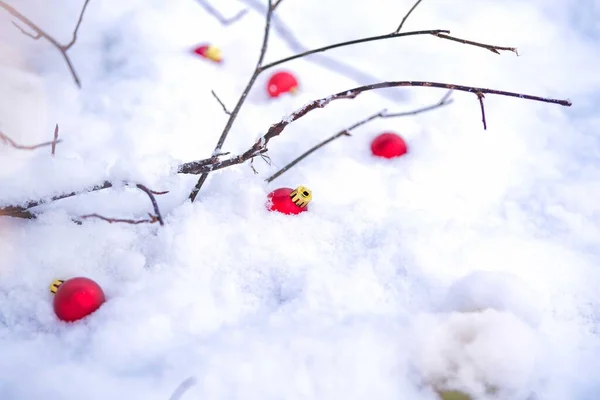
{"x": 469, "y": 264}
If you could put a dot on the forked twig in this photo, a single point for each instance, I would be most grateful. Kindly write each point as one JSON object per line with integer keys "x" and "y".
{"x": 241, "y": 100}
{"x": 335, "y": 65}
{"x": 150, "y": 194}
{"x": 41, "y": 33}
{"x": 260, "y": 146}
{"x": 346, "y": 132}
{"x": 493, "y": 49}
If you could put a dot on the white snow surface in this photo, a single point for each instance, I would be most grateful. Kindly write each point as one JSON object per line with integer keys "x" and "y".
{"x": 470, "y": 263}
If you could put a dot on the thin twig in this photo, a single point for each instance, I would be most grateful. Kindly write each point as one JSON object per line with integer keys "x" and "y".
{"x": 150, "y": 194}
{"x": 408, "y": 15}
{"x": 260, "y": 146}
{"x": 241, "y": 100}
{"x": 480, "y": 97}
{"x": 76, "y": 30}
{"x": 346, "y": 132}
{"x": 182, "y": 388}
{"x": 10, "y": 210}
{"x": 215, "y": 13}
{"x": 492, "y": 48}
{"x": 220, "y": 102}
{"x": 6, "y": 139}
{"x": 275, "y": 4}
{"x": 24, "y": 32}
{"x": 152, "y": 219}
{"x": 54, "y": 140}
{"x": 444, "y": 101}
{"x": 41, "y": 33}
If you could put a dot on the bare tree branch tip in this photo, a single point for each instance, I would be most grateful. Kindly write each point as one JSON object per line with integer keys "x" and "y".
{"x": 24, "y": 32}
{"x": 152, "y": 219}
{"x": 221, "y": 103}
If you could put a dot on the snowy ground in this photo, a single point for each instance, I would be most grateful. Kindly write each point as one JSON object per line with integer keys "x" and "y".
{"x": 362, "y": 296}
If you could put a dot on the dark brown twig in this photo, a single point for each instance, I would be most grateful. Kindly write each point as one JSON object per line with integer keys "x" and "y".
{"x": 480, "y": 97}
{"x": 346, "y": 132}
{"x": 408, "y": 15}
{"x": 54, "y": 141}
{"x": 215, "y": 13}
{"x": 260, "y": 146}
{"x": 492, "y": 48}
{"x": 41, "y": 33}
{"x": 220, "y": 102}
{"x": 6, "y": 139}
{"x": 241, "y": 100}
{"x": 152, "y": 219}
{"x": 150, "y": 194}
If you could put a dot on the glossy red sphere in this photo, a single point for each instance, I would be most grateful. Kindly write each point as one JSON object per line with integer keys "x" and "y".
{"x": 388, "y": 145}
{"x": 281, "y": 82}
{"x": 77, "y": 298}
{"x": 280, "y": 200}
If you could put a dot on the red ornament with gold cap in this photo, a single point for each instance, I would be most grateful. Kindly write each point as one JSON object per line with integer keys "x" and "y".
{"x": 282, "y": 82}
{"x": 209, "y": 52}
{"x": 289, "y": 201}
{"x": 76, "y": 298}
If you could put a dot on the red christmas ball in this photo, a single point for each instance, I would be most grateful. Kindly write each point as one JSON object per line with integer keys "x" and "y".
{"x": 289, "y": 201}
{"x": 282, "y": 82}
{"x": 76, "y": 298}
{"x": 388, "y": 145}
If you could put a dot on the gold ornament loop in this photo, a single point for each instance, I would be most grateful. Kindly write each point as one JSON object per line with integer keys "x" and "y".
{"x": 301, "y": 196}
{"x": 55, "y": 284}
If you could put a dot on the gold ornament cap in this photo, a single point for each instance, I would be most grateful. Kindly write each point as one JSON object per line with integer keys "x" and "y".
{"x": 301, "y": 196}
{"x": 55, "y": 285}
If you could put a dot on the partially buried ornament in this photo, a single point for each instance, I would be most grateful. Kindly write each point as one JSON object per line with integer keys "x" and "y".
{"x": 388, "y": 145}
{"x": 209, "y": 52}
{"x": 76, "y": 298}
{"x": 289, "y": 201}
{"x": 282, "y": 82}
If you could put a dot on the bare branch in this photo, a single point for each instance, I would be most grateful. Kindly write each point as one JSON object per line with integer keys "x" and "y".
{"x": 72, "y": 42}
{"x": 351, "y": 42}
{"x": 346, "y": 132}
{"x": 408, "y": 15}
{"x": 54, "y": 141}
{"x": 215, "y": 13}
{"x": 241, "y": 100}
{"x": 332, "y": 64}
{"x": 41, "y": 33}
{"x": 260, "y": 146}
{"x": 6, "y": 139}
{"x": 24, "y": 32}
{"x": 150, "y": 194}
{"x": 152, "y": 219}
{"x": 492, "y": 48}
{"x": 220, "y": 102}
